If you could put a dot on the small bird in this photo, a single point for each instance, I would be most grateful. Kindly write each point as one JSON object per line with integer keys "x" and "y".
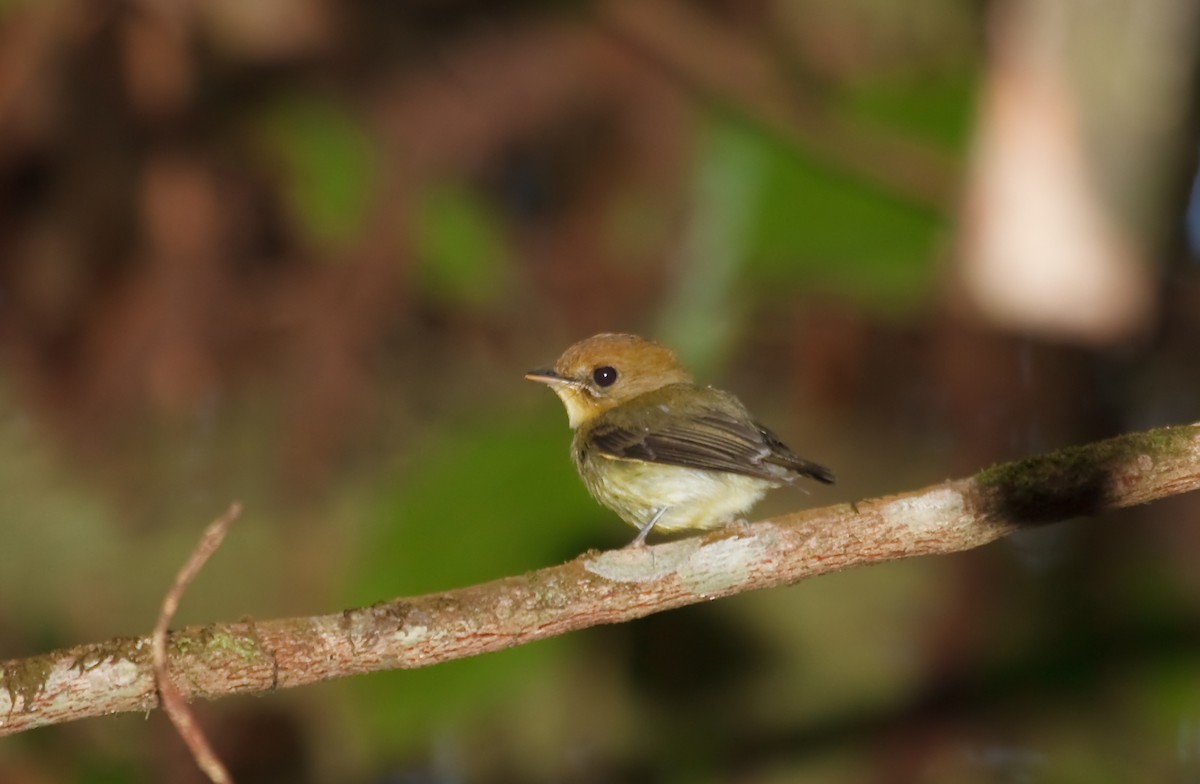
{"x": 658, "y": 449}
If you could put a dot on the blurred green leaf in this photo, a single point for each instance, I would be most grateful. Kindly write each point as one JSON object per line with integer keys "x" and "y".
{"x": 483, "y": 500}
{"x": 1172, "y": 692}
{"x": 7, "y": 6}
{"x": 328, "y": 161}
{"x": 479, "y": 501}
{"x": 460, "y": 246}
{"x": 820, "y": 228}
{"x": 936, "y": 110}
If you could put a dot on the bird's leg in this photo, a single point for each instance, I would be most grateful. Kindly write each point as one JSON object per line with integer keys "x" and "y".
{"x": 640, "y": 539}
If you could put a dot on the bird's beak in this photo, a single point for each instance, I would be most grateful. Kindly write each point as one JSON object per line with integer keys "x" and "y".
{"x": 574, "y": 394}
{"x": 545, "y": 376}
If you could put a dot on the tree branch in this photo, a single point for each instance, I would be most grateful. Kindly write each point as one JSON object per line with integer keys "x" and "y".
{"x": 601, "y": 587}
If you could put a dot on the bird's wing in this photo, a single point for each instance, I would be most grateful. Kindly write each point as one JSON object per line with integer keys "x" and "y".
{"x": 712, "y": 432}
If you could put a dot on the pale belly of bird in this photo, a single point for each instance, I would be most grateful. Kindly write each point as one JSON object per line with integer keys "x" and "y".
{"x": 693, "y": 498}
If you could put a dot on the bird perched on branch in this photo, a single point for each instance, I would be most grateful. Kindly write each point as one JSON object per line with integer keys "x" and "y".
{"x": 658, "y": 449}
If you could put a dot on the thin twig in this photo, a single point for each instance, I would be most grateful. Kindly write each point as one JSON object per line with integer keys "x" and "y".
{"x": 172, "y": 701}
{"x": 608, "y": 587}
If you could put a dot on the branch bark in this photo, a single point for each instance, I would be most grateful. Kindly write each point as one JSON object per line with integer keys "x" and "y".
{"x": 601, "y": 587}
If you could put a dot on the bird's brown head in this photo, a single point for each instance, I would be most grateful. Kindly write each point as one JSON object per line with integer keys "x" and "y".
{"x": 606, "y": 370}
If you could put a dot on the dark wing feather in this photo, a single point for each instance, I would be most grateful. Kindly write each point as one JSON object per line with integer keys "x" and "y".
{"x": 710, "y": 431}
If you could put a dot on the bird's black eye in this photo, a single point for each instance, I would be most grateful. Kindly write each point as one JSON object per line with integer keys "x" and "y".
{"x": 604, "y": 376}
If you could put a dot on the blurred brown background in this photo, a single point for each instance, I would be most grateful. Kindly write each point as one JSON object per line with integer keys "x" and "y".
{"x": 300, "y": 253}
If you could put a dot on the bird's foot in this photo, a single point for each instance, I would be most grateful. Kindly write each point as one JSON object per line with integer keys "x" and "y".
{"x": 640, "y": 539}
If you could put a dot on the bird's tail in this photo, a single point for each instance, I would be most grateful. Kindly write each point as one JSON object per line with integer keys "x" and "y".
{"x": 811, "y": 470}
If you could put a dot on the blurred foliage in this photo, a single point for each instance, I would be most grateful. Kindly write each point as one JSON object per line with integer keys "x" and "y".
{"x": 300, "y": 254}
{"x": 461, "y": 510}
{"x": 890, "y": 267}
{"x": 328, "y": 164}
{"x": 36, "y": 496}
{"x": 731, "y": 165}
{"x": 938, "y": 109}
{"x": 461, "y": 248}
